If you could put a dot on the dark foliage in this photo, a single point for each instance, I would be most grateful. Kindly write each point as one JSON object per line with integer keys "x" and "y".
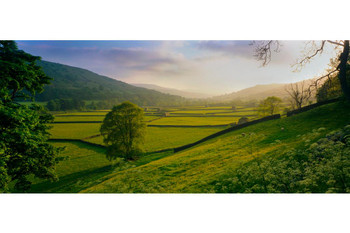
{"x": 24, "y": 150}
{"x": 123, "y": 131}
{"x": 76, "y": 83}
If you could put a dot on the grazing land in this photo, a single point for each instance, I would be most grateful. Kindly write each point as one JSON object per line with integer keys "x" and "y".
{"x": 195, "y": 121}
{"x": 74, "y": 131}
{"x": 201, "y": 168}
{"x": 160, "y": 138}
{"x": 197, "y": 169}
{"x": 84, "y": 166}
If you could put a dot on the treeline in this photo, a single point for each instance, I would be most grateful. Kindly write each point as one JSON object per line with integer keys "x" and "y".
{"x": 65, "y": 104}
{"x": 75, "y": 83}
{"x": 79, "y": 105}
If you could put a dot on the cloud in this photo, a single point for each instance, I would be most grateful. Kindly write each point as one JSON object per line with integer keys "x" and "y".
{"x": 202, "y": 66}
{"x": 228, "y": 48}
{"x": 117, "y": 62}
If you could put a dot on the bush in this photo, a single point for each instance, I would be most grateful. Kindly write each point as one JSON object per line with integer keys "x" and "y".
{"x": 242, "y": 120}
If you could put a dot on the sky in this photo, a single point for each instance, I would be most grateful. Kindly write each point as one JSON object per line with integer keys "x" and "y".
{"x": 211, "y": 67}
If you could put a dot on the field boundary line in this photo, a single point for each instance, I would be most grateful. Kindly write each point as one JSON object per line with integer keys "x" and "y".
{"x": 234, "y": 128}
{"x": 237, "y": 127}
{"x": 99, "y": 145}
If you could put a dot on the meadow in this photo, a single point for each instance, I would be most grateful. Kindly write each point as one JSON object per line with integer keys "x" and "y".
{"x": 160, "y": 138}
{"x": 201, "y": 168}
{"x": 195, "y": 121}
{"x": 85, "y": 165}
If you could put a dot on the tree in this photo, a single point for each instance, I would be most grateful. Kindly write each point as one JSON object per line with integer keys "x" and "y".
{"x": 123, "y": 131}
{"x": 24, "y": 150}
{"x": 263, "y": 53}
{"x": 269, "y": 106}
{"x": 299, "y": 94}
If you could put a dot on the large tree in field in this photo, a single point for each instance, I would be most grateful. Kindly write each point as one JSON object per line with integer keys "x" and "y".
{"x": 264, "y": 49}
{"x": 24, "y": 150}
{"x": 123, "y": 130}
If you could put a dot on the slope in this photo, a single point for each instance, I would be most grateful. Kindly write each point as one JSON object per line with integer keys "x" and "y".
{"x": 73, "y": 82}
{"x": 172, "y": 91}
{"x": 199, "y": 168}
{"x": 259, "y": 92}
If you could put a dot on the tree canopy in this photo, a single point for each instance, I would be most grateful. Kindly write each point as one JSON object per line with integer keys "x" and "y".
{"x": 123, "y": 130}
{"x": 24, "y": 150}
{"x": 269, "y": 106}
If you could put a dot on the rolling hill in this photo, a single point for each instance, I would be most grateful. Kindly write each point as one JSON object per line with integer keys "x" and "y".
{"x": 172, "y": 91}
{"x": 72, "y": 82}
{"x": 258, "y": 92}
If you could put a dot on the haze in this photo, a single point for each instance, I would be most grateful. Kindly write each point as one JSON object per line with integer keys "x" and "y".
{"x": 211, "y": 67}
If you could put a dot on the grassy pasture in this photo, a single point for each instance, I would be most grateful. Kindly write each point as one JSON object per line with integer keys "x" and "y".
{"x": 74, "y": 131}
{"x": 195, "y": 121}
{"x": 202, "y": 111}
{"x": 159, "y": 138}
{"x": 69, "y": 118}
{"x": 78, "y": 118}
{"x": 237, "y": 113}
{"x": 92, "y": 113}
{"x": 83, "y": 167}
{"x": 199, "y": 168}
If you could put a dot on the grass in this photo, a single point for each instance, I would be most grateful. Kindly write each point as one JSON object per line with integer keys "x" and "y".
{"x": 198, "y": 168}
{"x": 88, "y": 113}
{"x": 165, "y": 138}
{"x": 78, "y": 118}
{"x": 85, "y": 166}
{"x": 239, "y": 113}
{"x": 74, "y": 131}
{"x": 86, "y": 117}
{"x": 195, "y": 121}
{"x": 200, "y": 111}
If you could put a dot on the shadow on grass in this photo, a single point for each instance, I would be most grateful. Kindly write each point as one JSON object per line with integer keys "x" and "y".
{"x": 74, "y": 182}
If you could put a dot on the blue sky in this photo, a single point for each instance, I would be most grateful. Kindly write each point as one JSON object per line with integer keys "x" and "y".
{"x": 213, "y": 67}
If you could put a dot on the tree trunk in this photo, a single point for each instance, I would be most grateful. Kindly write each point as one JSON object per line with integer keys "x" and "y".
{"x": 342, "y": 70}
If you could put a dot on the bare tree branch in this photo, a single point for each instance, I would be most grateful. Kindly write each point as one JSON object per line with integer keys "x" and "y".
{"x": 335, "y": 43}
{"x": 328, "y": 75}
{"x": 299, "y": 95}
{"x": 263, "y": 50}
{"x": 317, "y": 51}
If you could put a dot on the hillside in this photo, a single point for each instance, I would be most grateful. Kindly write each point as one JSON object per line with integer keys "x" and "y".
{"x": 172, "y": 91}
{"x": 257, "y": 92}
{"x": 73, "y": 82}
{"x": 202, "y": 168}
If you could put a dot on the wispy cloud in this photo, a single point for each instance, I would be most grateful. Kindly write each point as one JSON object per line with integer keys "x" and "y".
{"x": 203, "y": 66}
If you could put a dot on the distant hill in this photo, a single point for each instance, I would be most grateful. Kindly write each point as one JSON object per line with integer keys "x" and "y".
{"x": 73, "y": 82}
{"x": 172, "y": 91}
{"x": 257, "y": 92}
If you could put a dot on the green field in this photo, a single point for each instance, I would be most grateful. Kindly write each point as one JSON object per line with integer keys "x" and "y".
{"x": 85, "y": 166}
{"x": 78, "y": 117}
{"x": 201, "y": 111}
{"x": 74, "y": 131}
{"x": 159, "y": 138}
{"x": 195, "y": 121}
{"x": 198, "y": 169}
{"x": 90, "y": 113}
